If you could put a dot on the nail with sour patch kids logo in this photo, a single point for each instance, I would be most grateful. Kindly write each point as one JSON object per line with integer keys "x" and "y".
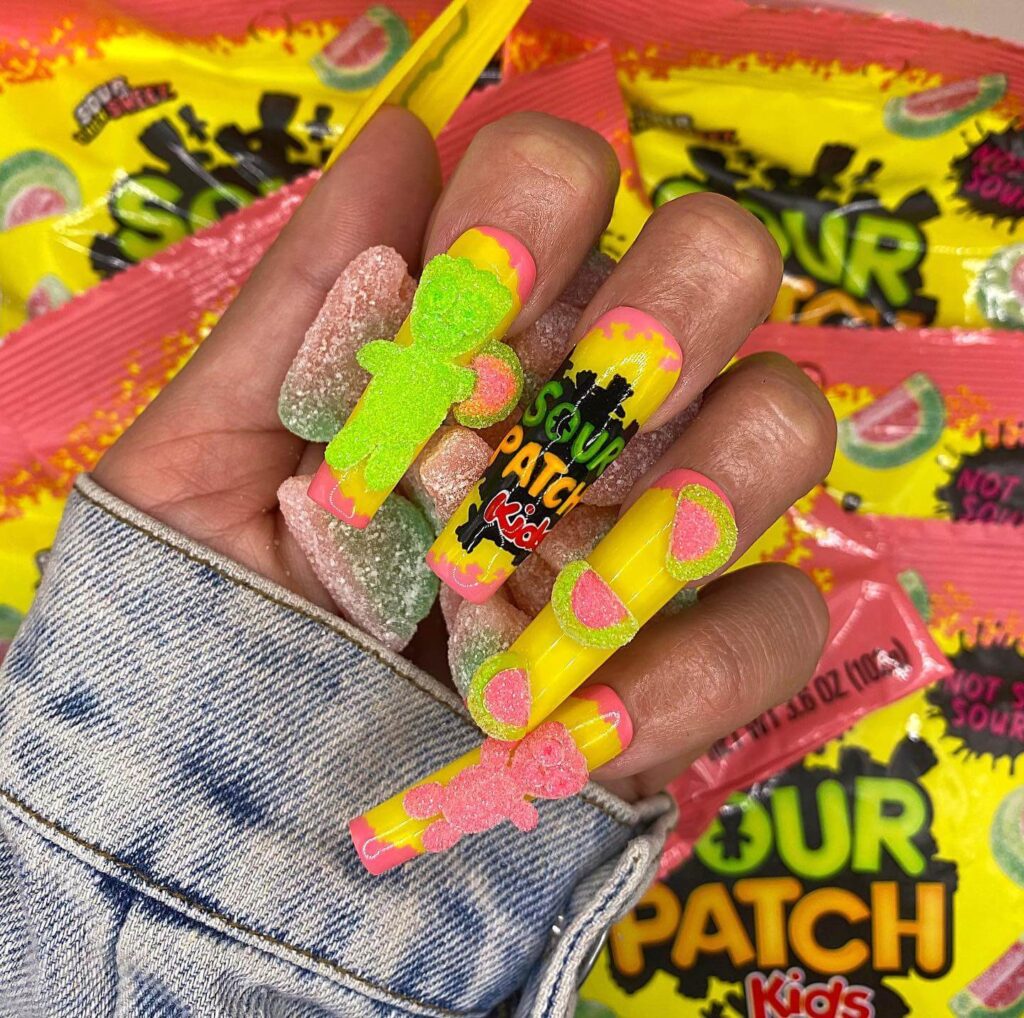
{"x": 619, "y": 373}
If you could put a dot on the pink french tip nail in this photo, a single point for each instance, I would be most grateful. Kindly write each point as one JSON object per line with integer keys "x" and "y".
{"x": 323, "y": 490}
{"x": 612, "y": 709}
{"x": 376, "y": 855}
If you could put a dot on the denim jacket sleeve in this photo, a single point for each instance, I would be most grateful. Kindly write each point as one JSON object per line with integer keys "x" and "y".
{"x": 181, "y": 745}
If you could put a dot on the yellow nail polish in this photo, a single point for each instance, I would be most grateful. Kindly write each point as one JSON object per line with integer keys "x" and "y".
{"x": 495, "y": 782}
{"x": 618, "y": 374}
{"x": 467, "y": 297}
{"x": 680, "y": 530}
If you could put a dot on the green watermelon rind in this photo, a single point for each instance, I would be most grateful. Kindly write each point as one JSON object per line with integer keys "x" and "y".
{"x": 36, "y": 168}
{"x": 691, "y": 570}
{"x": 478, "y": 686}
{"x": 503, "y": 352}
{"x": 336, "y": 76}
{"x": 992, "y": 88}
{"x": 966, "y": 1005}
{"x": 1007, "y": 836}
{"x": 996, "y": 297}
{"x": 878, "y": 456}
{"x": 610, "y": 637}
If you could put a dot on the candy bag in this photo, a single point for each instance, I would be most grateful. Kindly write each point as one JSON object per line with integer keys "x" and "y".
{"x": 929, "y": 421}
{"x": 883, "y": 155}
{"x": 878, "y": 651}
{"x": 131, "y": 126}
{"x": 882, "y": 874}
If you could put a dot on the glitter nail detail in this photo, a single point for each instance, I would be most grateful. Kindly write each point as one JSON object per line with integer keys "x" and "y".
{"x": 703, "y": 535}
{"x": 589, "y": 610}
{"x": 498, "y": 386}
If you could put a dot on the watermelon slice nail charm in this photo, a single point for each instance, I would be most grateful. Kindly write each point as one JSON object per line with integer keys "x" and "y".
{"x": 703, "y": 533}
{"x": 589, "y": 610}
{"x": 499, "y": 694}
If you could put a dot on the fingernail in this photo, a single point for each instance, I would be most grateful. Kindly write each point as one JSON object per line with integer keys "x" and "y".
{"x": 615, "y": 378}
{"x": 466, "y": 299}
{"x": 498, "y": 781}
{"x": 680, "y": 530}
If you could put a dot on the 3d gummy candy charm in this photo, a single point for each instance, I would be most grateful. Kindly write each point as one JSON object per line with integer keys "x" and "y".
{"x": 466, "y": 298}
{"x": 681, "y": 530}
{"x": 496, "y": 782}
{"x": 545, "y": 765}
{"x": 618, "y": 374}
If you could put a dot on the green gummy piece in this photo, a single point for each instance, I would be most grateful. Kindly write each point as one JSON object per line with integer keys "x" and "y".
{"x": 456, "y": 309}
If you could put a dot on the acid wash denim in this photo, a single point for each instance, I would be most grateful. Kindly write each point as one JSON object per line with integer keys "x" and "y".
{"x": 181, "y": 745}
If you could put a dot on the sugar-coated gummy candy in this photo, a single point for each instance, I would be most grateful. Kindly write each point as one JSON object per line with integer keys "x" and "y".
{"x": 576, "y": 535}
{"x": 450, "y": 464}
{"x": 369, "y": 300}
{"x": 543, "y": 346}
{"x": 612, "y": 487}
{"x": 479, "y": 632}
{"x": 531, "y": 584}
{"x": 596, "y": 268}
{"x": 377, "y": 577}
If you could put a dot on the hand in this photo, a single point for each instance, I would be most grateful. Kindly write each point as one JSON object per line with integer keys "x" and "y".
{"x": 208, "y": 455}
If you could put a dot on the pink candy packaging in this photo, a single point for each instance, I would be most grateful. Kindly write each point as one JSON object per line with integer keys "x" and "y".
{"x": 878, "y": 651}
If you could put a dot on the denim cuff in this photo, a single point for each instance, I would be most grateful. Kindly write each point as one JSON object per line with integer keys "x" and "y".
{"x": 176, "y": 721}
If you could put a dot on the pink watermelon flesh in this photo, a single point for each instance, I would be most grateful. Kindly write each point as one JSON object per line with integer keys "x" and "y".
{"x": 594, "y": 603}
{"x": 694, "y": 532}
{"x": 36, "y": 202}
{"x": 944, "y": 99}
{"x": 1017, "y": 279}
{"x": 889, "y": 419}
{"x": 1002, "y": 983}
{"x": 39, "y": 302}
{"x": 507, "y": 697}
{"x": 363, "y": 43}
{"x": 495, "y": 383}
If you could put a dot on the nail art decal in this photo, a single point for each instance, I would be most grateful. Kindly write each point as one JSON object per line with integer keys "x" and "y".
{"x": 679, "y": 531}
{"x": 616, "y": 377}
{"x": 466, "y": 298}
{"x": 496, "y": 782}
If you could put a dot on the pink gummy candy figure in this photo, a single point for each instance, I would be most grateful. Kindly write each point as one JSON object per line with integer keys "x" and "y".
{"x": 546, "y": 764}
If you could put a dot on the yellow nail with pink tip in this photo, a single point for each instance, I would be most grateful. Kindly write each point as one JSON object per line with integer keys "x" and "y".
{"x": 679, "y": 531}
{"x": 617, "y": 375}
{"x": 495, "y": 782}
{"x": 445, "y": 356}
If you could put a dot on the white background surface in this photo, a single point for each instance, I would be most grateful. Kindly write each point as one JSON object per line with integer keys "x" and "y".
{"x": 989, "y": 17}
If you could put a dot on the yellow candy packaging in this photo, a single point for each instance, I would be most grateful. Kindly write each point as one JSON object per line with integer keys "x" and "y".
{"x": 883, "y": 874}
{"x": 884, "y": 156}
{"x": 127, "y": 127}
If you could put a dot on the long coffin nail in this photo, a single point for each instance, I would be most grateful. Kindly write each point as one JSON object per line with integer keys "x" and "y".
{"x": 682, "y": 529}
{"x": 618, "y": 374}
{"x": 466, "y": 298}
{"x": 496, "y": 782}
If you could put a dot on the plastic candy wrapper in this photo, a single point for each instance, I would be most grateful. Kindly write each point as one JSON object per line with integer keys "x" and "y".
{"x": 929, "y": 421}
{"x": 104, "y": 356}
{"x": 883, "y": 156}
{"x": 880, "y": 875}
{"x": 129, "y": 126}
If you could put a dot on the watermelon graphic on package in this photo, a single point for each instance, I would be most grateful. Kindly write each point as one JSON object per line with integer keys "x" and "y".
{"x": 937, "y": 110}
{"x": 363, "y": 52}
{"x": 1000, "y": 288}
{"x": 589, "y": 611}
{"x": 35, "y": 185}
{"x": 1007, "y": 836}
{"x": 998, "y": 992}
{"x": 897, "y": 427}
{"x": 47, "y": 294}
{"x": 499, "y": 384}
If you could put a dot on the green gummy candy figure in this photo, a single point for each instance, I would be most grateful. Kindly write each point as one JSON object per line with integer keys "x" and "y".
{"x": 456, "y": 309}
